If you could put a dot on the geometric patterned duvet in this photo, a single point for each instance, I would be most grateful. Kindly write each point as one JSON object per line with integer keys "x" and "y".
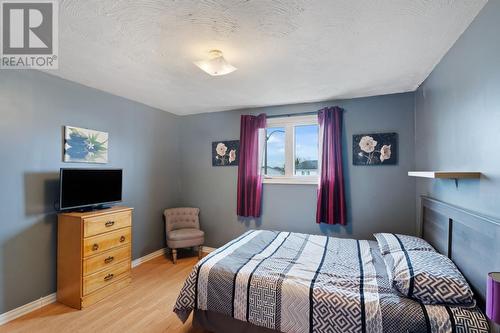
{"x": 293, "y": 282}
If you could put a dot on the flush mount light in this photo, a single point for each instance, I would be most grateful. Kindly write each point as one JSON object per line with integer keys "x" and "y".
{"x": 216, "y": 65}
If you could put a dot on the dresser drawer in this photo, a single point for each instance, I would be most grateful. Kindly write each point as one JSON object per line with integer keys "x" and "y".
{"x": 96, "y": 263}
{"x": 105, "y": 292}
{"x": 98, "y": 244}
{"x": 97, "y": 225}
{"x": 106, "y": 277}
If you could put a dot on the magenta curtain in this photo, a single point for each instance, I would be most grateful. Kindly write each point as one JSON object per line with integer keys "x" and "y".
{"x": 331, "y": 206}
{"x": 249, "y": 177}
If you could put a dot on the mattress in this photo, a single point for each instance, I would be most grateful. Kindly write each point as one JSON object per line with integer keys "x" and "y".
{"x": 292, "y": 282}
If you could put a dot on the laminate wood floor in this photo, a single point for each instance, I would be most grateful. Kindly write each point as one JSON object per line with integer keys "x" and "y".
{"x": 144, "y": 306}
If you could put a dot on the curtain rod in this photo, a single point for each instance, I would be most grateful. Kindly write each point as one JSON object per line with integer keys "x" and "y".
{"x": 292, "y": 114}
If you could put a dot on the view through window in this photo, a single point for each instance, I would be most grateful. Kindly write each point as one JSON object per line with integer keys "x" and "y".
{"x": 291, "y": 149}
{"x": 306, "y": 150}
{"x": 274, "y": 154}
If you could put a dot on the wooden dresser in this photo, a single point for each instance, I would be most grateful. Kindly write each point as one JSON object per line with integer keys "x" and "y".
{"x": 93, "y": 255}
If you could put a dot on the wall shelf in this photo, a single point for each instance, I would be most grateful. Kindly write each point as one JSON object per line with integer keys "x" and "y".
{"x": 445, "y": 174}
{"x": 455, "y": 175}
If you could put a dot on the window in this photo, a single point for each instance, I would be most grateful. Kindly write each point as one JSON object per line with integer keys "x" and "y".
{"x": 291, "y": 150}
{"x": 274, "y": 154}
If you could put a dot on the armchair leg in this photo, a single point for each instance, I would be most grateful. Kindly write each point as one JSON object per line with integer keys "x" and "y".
{"x": 200, "y": 252}
{"x": 174, "y": 256}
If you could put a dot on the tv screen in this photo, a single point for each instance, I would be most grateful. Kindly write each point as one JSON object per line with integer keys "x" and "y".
{"x": 81, "y": 188}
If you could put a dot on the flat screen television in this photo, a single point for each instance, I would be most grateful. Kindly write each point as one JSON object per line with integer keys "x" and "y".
{"x": 82, "y": 189}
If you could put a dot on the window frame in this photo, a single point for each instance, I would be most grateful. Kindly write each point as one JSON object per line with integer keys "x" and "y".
{"x": 289, "y": 123}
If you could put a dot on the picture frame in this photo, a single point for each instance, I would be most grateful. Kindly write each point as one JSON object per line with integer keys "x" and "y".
{"x": 82, "y": 145}
{"x": 225, "y": 153}
{"x": 373, "y": 149}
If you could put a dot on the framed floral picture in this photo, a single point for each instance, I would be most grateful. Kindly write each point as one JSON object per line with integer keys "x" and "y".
{"x": 375, "y": 149}
{"x": 225, "y": 153}
{"x": 82, "y": 145}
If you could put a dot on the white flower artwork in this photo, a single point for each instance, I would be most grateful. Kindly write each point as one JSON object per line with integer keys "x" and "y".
{"x": 225, "y": 153}
{"x": 232, "y": 155}
{"x": 367, "y": 144}
{"x": 385, "y": 153}
{"x": 221, "y": 149}
{"x": 375, "y": 149}
{"x": 82, "y": 145}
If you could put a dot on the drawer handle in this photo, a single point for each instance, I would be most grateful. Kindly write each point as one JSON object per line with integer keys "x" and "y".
{"x": 109, "y": 224}
{"x": 108, "y": 277}
{"x": 95, "y": 247}
{"x": 122, "y": 239}
{"x": 109, "y": 259}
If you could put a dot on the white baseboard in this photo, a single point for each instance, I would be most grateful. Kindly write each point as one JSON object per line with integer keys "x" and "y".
{"x": 208, "y": 249}
{"x": 43, "y": 301}
{"x": 27, "y": 308}
{"x": 148, "y": 257}
{"x": 160, "y": 252}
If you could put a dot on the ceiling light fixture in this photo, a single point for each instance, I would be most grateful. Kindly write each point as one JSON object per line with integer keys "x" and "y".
{"x": 216, "y": 65}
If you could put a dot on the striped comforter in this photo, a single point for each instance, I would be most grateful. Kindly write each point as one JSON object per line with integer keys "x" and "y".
{"x": 294, "y": 282}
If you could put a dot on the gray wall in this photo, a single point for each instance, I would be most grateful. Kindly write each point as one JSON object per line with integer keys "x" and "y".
{"x": 379, "y": 198}
{"x": 458, "y": 117}
{"x": 166, "y": 161}
{"x": 34, "y": 108}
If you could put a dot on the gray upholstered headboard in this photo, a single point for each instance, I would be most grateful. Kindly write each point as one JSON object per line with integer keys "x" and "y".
{"x": 470, "y": 239}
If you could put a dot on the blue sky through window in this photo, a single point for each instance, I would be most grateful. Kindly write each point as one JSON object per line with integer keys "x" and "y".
{"x": 306, "y": 144}
{"x": 275, "y": 147}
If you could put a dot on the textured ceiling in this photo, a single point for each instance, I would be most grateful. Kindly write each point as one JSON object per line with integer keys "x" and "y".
{"x": 286, "y": 51}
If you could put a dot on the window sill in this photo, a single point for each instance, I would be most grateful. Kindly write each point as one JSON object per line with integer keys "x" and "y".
{"x": 291, "y": 180}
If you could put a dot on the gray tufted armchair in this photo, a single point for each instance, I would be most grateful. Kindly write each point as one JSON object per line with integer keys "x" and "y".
{"x": 182, "y": 227}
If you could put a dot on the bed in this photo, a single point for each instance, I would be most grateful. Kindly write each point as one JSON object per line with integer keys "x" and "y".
{"x": 270, "y": 281}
